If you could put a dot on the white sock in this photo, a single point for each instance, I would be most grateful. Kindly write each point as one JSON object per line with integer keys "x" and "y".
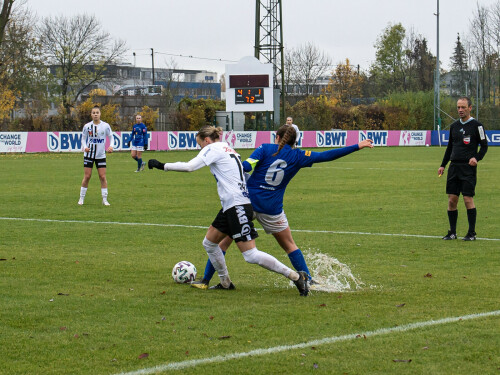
{"x": 104, "y": 193}
{"x": 255, "y": 256}
{"x": 218, "y": 261}
{"x": 83, "y": 191}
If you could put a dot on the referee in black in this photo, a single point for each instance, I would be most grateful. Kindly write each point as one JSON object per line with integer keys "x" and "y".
{"x": 466, "y": 134}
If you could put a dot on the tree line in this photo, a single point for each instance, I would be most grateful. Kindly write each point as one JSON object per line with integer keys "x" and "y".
{"x": 51, "y": 62}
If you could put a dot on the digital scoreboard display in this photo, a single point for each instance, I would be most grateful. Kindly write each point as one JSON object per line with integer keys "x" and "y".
{"x": 253, "y": 95}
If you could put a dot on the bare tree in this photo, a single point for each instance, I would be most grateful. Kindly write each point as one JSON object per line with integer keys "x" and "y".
{"x": 304, "y": 66}
{"x": 481, "y": 44}
{"x": 80, "y": 52}
{"x": 5, "y": 16}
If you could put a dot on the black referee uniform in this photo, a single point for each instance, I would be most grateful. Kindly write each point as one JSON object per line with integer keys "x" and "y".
{"x": 463, "y": 143}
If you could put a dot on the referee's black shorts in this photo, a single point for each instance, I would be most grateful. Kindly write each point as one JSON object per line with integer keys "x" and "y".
{"x": 461, "y": 179}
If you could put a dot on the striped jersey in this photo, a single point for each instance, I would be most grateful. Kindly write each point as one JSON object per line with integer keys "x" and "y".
{"x": 94, "y": 137}
{"x": 225, "y": 165}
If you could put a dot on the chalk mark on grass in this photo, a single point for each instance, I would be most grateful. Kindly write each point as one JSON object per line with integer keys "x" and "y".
{"x": 327, "y": 340}
{"x": 206, "y": 227}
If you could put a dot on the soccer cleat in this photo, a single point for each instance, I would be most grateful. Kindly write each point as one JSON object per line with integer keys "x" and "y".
{"x": 142, "y": 166}
{"x": 105, "y": 202}
{"x": 302, "y": 283}
{"x": 137, "y": 171}
{"x": 219, "y": 286}
{"x": 203, "y": 284}
{"x": 80, "y": 201}
{"x": 470, "y": 236}
{"x": 450, "y": 236}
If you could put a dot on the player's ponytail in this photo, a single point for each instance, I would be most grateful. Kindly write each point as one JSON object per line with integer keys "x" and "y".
{"x": 287, "y": 136}
{"x": 210, "y": 131}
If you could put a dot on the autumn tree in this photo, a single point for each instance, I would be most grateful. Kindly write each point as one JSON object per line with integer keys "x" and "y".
{"x": 149, "y": 116}
{"x": 22, "y": 71}
{"x": 345, "y": 83}
{"x": 79, "y": 52}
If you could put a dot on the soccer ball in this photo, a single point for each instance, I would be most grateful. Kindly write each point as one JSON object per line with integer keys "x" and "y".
{"x": 184, "y": 272}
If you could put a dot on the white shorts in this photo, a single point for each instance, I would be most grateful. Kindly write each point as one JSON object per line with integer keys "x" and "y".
{"x": 137, "y": 148}
{"x": 272, "y": 223}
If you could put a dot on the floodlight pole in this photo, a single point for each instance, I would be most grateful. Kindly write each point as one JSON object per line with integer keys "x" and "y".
{"x": 153, "y": 65}
{"x": 437, "y": 103}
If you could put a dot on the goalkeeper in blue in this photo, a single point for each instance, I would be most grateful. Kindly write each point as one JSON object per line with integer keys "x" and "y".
{"x": 273, "y": 166}
{"x": 139, "y": 140}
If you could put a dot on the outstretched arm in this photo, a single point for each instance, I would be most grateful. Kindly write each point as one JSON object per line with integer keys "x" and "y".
{"x": 190, "y": 166}
{"x": 336, "y": 153}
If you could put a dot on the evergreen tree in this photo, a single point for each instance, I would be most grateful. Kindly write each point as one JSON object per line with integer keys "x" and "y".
{"x": 459, "y": 65}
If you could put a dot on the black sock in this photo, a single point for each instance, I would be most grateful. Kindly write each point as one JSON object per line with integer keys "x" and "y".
{"x": 471, "y": 216}
{"x": 452, "y": 217}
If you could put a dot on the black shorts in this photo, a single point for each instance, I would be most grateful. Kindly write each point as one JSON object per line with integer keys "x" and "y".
{"x": 89, "y": 163}
{"x": 237, "y": 223}
{"x": 461, "y": 179}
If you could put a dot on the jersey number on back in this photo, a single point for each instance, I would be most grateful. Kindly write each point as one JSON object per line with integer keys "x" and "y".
{"x": 275, "y": 172}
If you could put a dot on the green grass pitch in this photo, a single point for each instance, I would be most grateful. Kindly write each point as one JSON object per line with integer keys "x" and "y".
{"x": 88, "y": 290}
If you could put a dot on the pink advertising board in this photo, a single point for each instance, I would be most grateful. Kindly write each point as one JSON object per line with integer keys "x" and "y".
{"x": 162, "y": 141}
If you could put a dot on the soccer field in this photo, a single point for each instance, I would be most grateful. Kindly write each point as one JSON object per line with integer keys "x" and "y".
{"x": 88, "y": 289}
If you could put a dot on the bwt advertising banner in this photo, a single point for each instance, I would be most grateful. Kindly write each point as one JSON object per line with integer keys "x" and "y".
{"x": 162, "y": 141}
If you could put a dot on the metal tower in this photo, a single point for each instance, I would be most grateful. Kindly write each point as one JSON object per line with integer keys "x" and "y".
{"x": 269, "y": 46}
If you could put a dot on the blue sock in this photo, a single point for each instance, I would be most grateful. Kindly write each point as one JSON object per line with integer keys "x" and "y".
{"x": 139, "y": 163}
{"x": 210, "y": 270}
{"x": 298, "y": 261}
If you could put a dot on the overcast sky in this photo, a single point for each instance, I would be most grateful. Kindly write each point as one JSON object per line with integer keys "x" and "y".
{"x": 224, "y": 29}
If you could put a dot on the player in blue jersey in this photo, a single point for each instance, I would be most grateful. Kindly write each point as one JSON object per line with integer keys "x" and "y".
{"x": 274, "y": 165}
{"x": 139, "y": 140}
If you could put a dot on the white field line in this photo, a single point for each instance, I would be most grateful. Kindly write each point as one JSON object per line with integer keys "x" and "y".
{"x": 206, "y": 227}
{"x": 327, "y": 340}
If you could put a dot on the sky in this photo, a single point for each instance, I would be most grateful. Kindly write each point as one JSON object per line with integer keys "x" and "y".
{"x": 220, "y": 32}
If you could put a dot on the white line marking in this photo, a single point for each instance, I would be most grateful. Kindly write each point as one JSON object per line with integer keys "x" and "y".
{"x": 206, "y": 227}
{"x": 327, "y": 340}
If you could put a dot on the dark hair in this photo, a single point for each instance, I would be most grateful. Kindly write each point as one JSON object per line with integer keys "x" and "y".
{"x": 287, "y": 136}
{"x": 469, "y": 102}
{"x": 96, "y": 106}
{"x": 209, "y": 131}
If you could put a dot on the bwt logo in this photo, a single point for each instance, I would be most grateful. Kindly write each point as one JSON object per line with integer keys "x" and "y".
{"x": 117, "y": 141}
{"x": 379, "y": 137}
{"x": 70, "y": 141}
{"x": 331, "y": 139}
{"x": 183, "y": 140}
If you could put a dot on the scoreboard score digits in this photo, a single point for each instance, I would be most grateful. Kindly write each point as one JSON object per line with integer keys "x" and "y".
{"x": 249, "y": 95}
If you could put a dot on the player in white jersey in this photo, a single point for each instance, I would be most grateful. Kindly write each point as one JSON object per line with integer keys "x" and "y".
{"x": 94, "y": 152}
{"x": 235, "y": 217}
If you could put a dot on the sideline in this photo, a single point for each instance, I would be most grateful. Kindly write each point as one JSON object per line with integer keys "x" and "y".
{"x": 327, "y": 340}
{"x": 205, "y": 227}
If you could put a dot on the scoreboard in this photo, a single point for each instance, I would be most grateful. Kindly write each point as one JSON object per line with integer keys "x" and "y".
{"x": 249, "y": 86}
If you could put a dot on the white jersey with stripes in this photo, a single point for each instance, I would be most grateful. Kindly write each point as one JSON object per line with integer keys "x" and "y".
{"x": 225, "y": 165}
{"x": 94, "y": 137}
